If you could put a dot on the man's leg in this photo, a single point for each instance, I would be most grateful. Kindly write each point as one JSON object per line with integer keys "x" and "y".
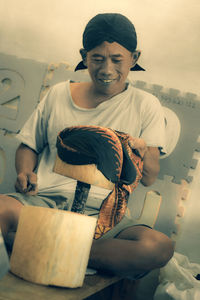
{"x": 9, "y": 214}
{"x": 135, "y": 250}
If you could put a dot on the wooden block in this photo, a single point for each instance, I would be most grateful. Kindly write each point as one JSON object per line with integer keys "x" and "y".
{"x": 85, "y": 173}
{"x": 52, "y": 246}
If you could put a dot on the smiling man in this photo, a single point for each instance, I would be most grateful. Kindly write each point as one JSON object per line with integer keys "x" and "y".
{"x": 108, "y": 100}
{"x": 109, "y": 65}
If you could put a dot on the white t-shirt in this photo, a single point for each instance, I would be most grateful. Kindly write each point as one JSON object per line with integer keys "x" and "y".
{"x": 133, "y": 111}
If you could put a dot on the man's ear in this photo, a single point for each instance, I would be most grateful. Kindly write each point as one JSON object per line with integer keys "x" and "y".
{"x": 136, "y": 55}
{"x": 83, "y": 54}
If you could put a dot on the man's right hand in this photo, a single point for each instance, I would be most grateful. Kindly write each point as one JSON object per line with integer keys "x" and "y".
{"x": 26, "y": 183}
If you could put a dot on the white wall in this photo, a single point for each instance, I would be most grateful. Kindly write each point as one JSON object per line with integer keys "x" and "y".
{"x": 51, "y": 30}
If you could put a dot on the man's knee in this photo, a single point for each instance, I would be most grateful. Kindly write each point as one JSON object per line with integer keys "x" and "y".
{"x": 155, "y": 246}
{"x": 160, "y": 246}
{"x": 8, "y": 202}
{"x": 9, "y": 211}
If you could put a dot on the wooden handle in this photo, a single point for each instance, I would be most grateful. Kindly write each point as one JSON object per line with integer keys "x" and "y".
{"x": 80, "y": 197}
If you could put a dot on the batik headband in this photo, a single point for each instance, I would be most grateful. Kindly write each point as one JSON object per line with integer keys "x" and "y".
{"x": 110, "y": 27}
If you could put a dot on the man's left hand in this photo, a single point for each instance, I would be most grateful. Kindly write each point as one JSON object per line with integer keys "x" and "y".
{"x": 139, "y": 145}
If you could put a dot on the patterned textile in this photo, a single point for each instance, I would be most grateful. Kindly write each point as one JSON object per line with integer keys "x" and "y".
{"x": 109, "y": 150}
{"x": 105, "y": 27}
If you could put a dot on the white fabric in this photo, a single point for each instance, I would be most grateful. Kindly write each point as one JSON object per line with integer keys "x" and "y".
{"x": 133, "y": 111}
{"x": 178, "y": 280}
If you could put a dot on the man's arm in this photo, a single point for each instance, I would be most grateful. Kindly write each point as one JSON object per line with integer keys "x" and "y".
{"x": 25, "y": 162}
{"x": 151, "y": 165}
{"x": 151, "y": 160}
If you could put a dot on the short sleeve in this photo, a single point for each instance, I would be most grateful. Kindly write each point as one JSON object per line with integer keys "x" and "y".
{"x": 153, "y": 125}
{"x": 34, "y": 131}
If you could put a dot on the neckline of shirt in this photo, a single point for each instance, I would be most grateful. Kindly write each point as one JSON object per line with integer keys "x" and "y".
{"x": 101, "y": 105}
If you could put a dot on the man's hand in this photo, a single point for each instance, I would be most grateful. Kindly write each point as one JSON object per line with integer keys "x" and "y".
{"x": 150, "y": 157}
{"x": 139, "y": 145}
{"x": 26, "y": 183}
{"x": 26, "y": 162}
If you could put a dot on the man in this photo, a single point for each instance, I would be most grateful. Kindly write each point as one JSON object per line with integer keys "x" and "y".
{"x": 109, "y": 53}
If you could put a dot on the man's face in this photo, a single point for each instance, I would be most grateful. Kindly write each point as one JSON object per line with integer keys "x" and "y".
{"x": 108, "y": 66}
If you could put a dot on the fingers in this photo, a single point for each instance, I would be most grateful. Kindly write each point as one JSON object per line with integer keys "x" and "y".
{"x": 32, "y": 181}
{"x": 21, "y": 183}
{"x": 138, "y": 145}
{"x": 32, "y": 184}
{"x": 26, "y": 183}
{"x": 131, "y": 143}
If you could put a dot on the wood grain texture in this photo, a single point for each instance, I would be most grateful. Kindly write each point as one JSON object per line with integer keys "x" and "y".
{"x": 52, "y": 246}
{"x": 85, "y": 173}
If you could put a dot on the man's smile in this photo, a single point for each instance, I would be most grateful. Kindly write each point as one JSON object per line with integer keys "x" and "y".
{"x": 106, "y": 81}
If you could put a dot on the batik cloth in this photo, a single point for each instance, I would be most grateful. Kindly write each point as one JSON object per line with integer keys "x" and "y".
{"x": 109, "y": 150}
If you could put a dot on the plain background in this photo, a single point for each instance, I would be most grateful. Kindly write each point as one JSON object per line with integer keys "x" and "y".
{"x": 168, "y": 35}
{"x": 51, "y": 31}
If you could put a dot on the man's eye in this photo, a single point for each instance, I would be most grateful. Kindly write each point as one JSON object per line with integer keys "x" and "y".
{"x": 98, "y": 60}
{"x": 116, "y": 61}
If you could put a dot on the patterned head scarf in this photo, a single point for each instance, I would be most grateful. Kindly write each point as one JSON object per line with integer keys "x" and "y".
{"x": 110, "y": 27}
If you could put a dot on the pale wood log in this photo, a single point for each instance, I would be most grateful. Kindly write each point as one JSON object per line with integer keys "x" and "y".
{"x": 85, "y": 173}
{"x": 52, "y": 246}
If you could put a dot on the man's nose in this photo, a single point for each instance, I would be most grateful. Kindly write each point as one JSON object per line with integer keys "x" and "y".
{"x": 107, "y": 68}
